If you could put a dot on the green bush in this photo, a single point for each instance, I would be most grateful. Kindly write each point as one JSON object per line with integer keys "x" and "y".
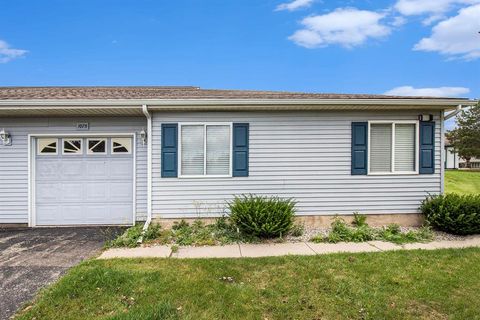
{"x": 453, "y": 213}
{"x": 265, "y": 217}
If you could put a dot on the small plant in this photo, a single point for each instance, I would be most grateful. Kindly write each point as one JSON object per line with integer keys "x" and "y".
{"x": 359, "y": 219}
{"x": 360, "y": 231}
{"x": 297, "y": 230}
{"x": 265, "y": 217}
{"x": 127, "y": 239}
{"x": 453, "y": 213}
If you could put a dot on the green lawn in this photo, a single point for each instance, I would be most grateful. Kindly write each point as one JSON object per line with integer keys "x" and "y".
{"x": 437, "y": 284}
{"x": 462, "y": 182}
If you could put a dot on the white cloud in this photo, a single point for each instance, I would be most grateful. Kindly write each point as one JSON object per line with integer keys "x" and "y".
{"x": 434, "y": 9}
{"x": 456, "y": 37}
{"x": 7, "y": 53}
{"x": 398, "y": 21}
{"x": 428, "y": 92}
{"x": 347, "y": 27}
{"x": 294, "y": 5}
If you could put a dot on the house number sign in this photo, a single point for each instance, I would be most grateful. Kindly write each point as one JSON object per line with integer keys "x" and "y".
{"x": 83, "y": 126}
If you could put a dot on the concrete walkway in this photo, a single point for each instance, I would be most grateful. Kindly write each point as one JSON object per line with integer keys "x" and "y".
{"x": 280, "y": 249}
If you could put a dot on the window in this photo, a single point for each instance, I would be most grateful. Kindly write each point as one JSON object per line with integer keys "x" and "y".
{"x": 205, "y": 149}
{"x": 393, "y": 147}
{"x": 72, "y": 146}
{"x": 121, "y": 145}
{"x": 97, "y": 146}
{"x": 47, "y": 146}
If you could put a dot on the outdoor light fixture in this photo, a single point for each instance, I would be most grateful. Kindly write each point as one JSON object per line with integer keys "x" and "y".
{"x": 425, "y": 117}
{"x": 6, "y": 138}
{"x": 143, "y": 136}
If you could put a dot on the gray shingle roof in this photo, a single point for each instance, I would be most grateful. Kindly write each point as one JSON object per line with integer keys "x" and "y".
{"x": 89, "y": 93}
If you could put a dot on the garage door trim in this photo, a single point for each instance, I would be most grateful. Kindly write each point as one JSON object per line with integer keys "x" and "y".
{"x": 32, "y": 157}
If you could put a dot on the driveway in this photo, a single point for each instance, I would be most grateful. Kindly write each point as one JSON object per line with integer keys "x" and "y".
{"x": 30, "y": 259}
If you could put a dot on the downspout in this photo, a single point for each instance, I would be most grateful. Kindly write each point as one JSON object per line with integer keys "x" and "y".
{"x": 149, "y": 170}
{"x": 453, "y": 113}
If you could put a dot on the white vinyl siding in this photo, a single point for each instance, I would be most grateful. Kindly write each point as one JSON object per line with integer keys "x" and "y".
{"x": 405, "y": 147}
{"x": 380, "y": 148}
{"x": 305, "y": 155}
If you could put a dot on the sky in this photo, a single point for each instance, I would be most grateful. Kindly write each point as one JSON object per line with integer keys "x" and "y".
{"x": 404, "y": 47}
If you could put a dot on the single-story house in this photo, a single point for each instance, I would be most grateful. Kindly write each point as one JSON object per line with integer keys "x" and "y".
{"x": 454, "y": 161}
{"x": 116, "y": 155}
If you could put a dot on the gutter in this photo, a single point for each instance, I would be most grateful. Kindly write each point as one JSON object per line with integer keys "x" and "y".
{"x": 149, "y": 171}
{"x": 453, "y": 113}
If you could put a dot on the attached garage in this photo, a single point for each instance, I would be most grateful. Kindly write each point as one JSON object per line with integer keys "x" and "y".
{"x": 85, "y": 180}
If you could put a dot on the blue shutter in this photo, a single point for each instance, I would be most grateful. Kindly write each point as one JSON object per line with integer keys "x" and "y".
{"x": 359, "y": 148}
{"x": 427, "y": 147}
{"x": 169, "y": 150}
{"x": 240, "y": 149}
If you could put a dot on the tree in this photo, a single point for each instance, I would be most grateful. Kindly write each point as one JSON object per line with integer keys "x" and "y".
{"x": 466, "y": 137}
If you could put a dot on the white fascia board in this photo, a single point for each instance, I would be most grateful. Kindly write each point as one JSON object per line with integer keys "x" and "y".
{"x": 159, "y": 104}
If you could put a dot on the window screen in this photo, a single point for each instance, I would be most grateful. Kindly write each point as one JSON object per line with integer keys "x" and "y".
{"x": 405, "y": 147}
{"x": 205, "y": 150}
{"x": 381, "y": 148}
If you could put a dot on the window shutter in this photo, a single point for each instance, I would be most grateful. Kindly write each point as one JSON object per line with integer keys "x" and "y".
{"x": 427, "y": 147}
{"x": 169, "y": 150}
{"x": 240, "y": 149}
{"x": 359, "y": 148}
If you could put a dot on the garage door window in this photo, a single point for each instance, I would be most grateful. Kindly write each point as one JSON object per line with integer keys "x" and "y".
{"x": 47, "y": 146}
{"x": 72, "y": 146}
{"x": 97, "y": 146}
{"x": 121, "y": 145}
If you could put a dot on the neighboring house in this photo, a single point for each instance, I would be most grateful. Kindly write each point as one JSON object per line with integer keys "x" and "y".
{"x": 453, "y": 161}
{"x": 115, "y": 155}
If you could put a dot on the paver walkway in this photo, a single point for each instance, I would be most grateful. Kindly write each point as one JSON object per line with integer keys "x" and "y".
{"x": 280, "y": 249}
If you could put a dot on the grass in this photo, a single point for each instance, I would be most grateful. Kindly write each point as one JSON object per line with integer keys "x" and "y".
{"x": 462, "y": 182}
{"x": 418, "y": 284}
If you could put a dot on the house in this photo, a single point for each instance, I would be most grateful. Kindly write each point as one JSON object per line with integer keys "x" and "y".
{"x": 451, "y": 156}
{"x": 116, "y": 155}
{"x": 454, "y": 161}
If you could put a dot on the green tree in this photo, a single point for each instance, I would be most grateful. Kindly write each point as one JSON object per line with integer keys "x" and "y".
{"x": 466, "y": 137}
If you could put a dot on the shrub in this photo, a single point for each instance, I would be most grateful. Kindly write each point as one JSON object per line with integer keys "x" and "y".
{"x": 131, "y": 236}
{"x": 453, "y": 213}
{"x": 259, "y": 216}
{"x": 342, "y": 232}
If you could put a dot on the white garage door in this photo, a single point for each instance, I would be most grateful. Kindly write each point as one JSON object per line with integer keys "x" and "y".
{"x": 84, "y": 181}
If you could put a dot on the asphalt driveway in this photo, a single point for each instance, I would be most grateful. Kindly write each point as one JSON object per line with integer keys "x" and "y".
{"x": 30, "y": 259}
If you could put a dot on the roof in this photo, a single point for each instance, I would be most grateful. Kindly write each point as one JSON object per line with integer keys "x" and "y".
{"x": 83, "y": 101}
{"x": 186, "y": 92}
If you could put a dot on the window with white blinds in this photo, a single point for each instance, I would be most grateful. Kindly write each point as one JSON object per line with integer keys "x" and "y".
{"x": 380, "y": 148}
{"x": 205, "y": 149}
{"x": 405, "y": 147}
{"x": 393, "y": 147}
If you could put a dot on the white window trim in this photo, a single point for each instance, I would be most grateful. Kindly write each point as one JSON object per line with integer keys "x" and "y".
{"x": 205, "y": 124}
{"x": 120, "y": 153}
{"x": 417, "y": 141}
{"x": 40, "y": 153}
{"x": 72, "y": 154}
{"x": 90, "y": 153}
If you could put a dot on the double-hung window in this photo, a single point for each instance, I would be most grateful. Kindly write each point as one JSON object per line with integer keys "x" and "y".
{"x": 205, "y": 150}
{"x": 393, "y": 147}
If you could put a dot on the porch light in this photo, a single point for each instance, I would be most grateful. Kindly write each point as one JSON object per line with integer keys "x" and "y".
{"x": 143, "y": 136}
{"x": 425, "y": 117}
{"x": 6, "y": 138}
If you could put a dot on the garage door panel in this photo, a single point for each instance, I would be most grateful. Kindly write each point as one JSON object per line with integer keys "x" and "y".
{"x": 120, "y": 191}
{"x": 47, "y": 170}
{"x": 47, "y": 191}
{"x": 121, "y": 169}
{"x": 82, "y": 189}
{"x": 97, "y": 169}
{"x": 96, "y": 191}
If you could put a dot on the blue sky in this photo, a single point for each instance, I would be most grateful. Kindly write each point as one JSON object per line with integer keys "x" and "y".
{"x": 408, "y": 46}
